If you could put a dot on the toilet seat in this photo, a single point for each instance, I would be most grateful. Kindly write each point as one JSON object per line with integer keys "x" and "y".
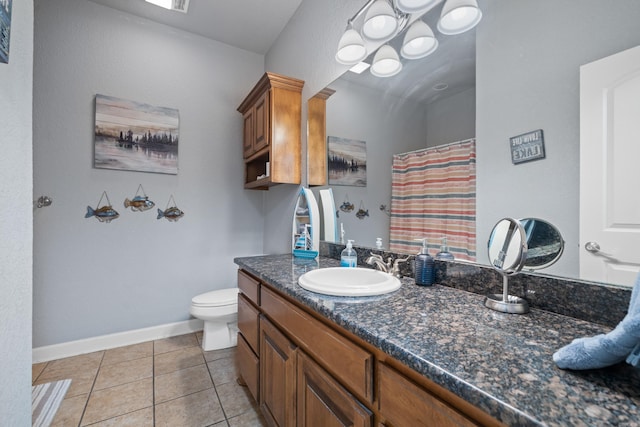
{"x": 219, "y": 298}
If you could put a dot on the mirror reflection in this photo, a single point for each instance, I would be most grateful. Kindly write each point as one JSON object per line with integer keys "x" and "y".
{"x": 524, "y": 59}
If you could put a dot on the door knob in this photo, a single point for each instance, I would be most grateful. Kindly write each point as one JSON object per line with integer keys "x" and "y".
{"x": 592, "y": 247}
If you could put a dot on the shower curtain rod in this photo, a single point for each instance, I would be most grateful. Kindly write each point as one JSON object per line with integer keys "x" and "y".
{"x": 435, "y": 147}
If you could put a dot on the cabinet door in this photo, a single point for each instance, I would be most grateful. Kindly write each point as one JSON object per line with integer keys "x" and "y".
{"x": 249, "y": 366}
{"x": 404, "y": 403}
{"x": 248, "y": 132}
{"x": 261, "y": 123}
{"x": 323, "y": 402}
{"x": 277, "y": 376}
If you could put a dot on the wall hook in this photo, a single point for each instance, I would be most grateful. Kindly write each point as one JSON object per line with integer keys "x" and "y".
{"x": 43, "y": 201}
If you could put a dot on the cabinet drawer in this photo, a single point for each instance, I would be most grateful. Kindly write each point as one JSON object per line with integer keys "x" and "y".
{"x": 341, "y": 357}
{"x": 404, "y": 403}
{"x": 248, "y": 322}
{"x": 249, "y": 366}
{"x": 249, "y": 286}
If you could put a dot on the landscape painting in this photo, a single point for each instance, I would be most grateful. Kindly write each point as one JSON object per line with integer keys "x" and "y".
{"x": 134, "y": 136}
{"x": 5, "y": 29}
{"x": 347, "y": 162}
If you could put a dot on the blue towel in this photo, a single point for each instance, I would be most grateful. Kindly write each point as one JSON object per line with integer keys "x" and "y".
{"x": 606, "y": 349}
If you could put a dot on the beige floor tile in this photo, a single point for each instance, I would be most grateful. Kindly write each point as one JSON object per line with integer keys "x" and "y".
{"x": 248, "y": 419}
{"x": 225, "y": 353}
{"x": 181, "y": 383}
{"x": 195, "y": 410}
{"x": 141, "y": 418}
{"x": 129, "y": 352}
{"x": 176, "y": 360}
{"x": 221, "y": 424}
{"x": 235, "y": 399}
{"x": 124, "y": 372}
{"x": 67, "y": 367}
{"x": 174, "y": 343}
{"x": 70, "y": 411}
{"x": 119, "y": 400}
{"x": 223, "y": 371}
{"x": 81, "y": 381}
{"x": 36, "y": 370}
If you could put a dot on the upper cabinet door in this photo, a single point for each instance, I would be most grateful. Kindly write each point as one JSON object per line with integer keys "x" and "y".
{"x": 261, "y": 137}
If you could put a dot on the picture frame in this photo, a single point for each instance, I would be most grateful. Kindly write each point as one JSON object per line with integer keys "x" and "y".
{"x": 347, "y": 161}
{"x": 134, "y": 136}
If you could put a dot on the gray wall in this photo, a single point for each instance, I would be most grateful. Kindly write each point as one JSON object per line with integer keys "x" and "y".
{"x": 94, "y": 278}
{"x": 15, "y": 220}
{"x": 452, "y": 119}
{"x": 528, "y": 59}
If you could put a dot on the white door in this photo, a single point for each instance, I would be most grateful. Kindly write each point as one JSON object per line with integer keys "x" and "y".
{"x": 610, "y": 168}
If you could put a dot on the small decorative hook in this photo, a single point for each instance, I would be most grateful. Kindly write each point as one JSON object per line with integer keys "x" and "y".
{"x": 44, "y": 201}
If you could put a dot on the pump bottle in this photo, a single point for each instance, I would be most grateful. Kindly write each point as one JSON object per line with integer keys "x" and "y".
{"x": 349, "y": 256}
{"x": 425, "y": 270}
{"x": 444, "y": 251}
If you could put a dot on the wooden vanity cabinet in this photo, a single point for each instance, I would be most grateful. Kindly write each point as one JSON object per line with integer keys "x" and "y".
{"x": 271, "y": 131}
{"x": 310, "y": 372}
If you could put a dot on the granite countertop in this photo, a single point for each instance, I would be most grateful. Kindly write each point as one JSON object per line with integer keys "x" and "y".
{"x": 499, "y": 362}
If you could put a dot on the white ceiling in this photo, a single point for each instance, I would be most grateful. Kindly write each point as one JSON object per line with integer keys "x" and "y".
{"x": 253, "y": 25}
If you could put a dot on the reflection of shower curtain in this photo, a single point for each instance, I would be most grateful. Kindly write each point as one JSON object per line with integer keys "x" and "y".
{"x": 433, "y": 195}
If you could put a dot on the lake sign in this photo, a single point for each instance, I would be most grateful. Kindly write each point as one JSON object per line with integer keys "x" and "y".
{"x": 526, "y": 147}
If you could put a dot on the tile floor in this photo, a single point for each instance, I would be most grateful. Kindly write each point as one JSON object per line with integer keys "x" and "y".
{"x": 168, "y": 382}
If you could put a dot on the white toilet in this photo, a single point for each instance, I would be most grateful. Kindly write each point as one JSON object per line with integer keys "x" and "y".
{"x": 219, "y": 310}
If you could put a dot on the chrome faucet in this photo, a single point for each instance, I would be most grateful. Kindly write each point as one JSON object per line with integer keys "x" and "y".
{"x": 392, "y": 267}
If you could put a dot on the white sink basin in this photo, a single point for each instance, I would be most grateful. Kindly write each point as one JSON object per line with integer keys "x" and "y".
{"x": 343, "y": 281}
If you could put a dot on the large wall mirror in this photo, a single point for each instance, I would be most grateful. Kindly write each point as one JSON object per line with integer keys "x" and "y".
{"x": 516, "y": 72}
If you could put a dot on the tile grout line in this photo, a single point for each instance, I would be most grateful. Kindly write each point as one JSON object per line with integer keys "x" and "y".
{"x": 95, "y": 378}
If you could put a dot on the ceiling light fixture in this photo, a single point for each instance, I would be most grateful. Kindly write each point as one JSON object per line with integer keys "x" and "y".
{"x": 351, "y": 49}
{"x": 380, "y": 22}
{"x": 386, "y": 62}
{"x": 414, "y": 6}
{"x": 419, "y": 41}
{"x": 177, "y": 5}
{"x": 459, "y": 16}
{"x": 384, "y": 19}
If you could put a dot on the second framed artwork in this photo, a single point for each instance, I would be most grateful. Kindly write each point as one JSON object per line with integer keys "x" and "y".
{"x": 347, "y": 162}
{"x": 134, "y": 136}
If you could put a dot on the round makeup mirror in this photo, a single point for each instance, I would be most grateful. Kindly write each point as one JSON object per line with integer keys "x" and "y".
{"x": 544, "y": 243}
{"x": 507, "y": 246}
{"x": 507, "y": 254}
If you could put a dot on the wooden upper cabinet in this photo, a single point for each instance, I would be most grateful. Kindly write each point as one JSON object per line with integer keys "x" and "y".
{"x": 317, "y": 137}
{"x": 271, "y": 135}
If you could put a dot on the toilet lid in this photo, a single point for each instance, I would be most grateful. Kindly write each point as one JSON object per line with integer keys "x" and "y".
{"x": 217, "y": 298}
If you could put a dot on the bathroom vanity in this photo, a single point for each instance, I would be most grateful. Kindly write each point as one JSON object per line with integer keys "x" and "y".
{"x": 416, "y": 356}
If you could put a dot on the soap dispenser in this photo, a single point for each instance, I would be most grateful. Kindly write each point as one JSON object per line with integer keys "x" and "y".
{"x": 349, "y": 256}
{"x": 425, "y": 270}
{"x": 444, "y": 253}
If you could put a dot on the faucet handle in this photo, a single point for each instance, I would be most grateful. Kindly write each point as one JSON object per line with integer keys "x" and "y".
{"x": 396, "y": 266}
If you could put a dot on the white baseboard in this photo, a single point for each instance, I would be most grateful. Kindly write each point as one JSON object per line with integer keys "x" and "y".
{"x": 105, "y": 342}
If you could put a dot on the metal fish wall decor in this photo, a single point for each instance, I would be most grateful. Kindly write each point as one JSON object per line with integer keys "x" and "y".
{"x": 172, "y": 213}
{"x": 104, "y": 213}
{"x": 140, "y": 202}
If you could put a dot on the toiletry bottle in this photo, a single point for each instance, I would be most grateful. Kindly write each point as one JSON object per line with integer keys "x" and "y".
{"x": 425, "y": 270}
{"x": 378, "y": 242}
{"x": 349, "y": 256}
{"x": 444, "y": 251}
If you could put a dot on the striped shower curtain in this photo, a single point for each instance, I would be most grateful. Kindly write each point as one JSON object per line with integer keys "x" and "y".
{"x": 433, "y": 195}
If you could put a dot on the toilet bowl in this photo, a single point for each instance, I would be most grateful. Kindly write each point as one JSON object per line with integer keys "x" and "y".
{"x": 219, "y": 310}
